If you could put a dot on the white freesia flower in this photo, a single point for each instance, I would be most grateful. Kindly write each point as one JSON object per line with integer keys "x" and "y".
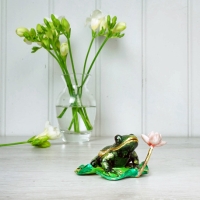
{"x": 103, "y": 23}
{"x": 51, "y": 132}
{"x": 95, "y": 19}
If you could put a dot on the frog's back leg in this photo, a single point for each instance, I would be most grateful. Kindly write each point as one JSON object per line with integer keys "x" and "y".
{"x": 97, "y": 160}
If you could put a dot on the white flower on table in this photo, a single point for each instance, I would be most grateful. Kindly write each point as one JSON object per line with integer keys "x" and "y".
{"x": 41, "y": 140}
{"x": 51, "y": 132}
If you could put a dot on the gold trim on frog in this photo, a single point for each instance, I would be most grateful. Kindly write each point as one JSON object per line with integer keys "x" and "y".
{"x": 128, "y": 140}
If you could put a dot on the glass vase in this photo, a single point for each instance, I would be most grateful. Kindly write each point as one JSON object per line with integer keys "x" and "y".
{"x": 76, "y": 109}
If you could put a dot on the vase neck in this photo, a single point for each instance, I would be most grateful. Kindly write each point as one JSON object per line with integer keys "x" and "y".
{"x": 75, "y": 80}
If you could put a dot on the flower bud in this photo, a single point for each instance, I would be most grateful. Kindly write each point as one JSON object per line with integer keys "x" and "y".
{"x": 39, "y": 28}
{"x": 39, "y": 140}
{"x": 119, "y": 27}
{"x": 20, "y": 31}
{"x": 55, "y": 21}
{"x": 27, "y": 41}
{"x": 108, "y": 20}
{"x": 45, "y": 144}
{"x": 65, "y": 24}
{"x": 47, "y": 23}
{"x": 64, "y": 49}
{"x": 45, "y": 42}
{"x": 114, "y": 21}
{"x": 33, "y": 32}
{"x": 57, "y": 44}
{"x": 49, "y": 34}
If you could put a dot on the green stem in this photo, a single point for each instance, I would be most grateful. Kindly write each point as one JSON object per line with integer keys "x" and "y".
{"x": 59, "y": 59}
{"x": 72, "y": 62}
{"x": 102, "y": 45}
{"x": 83, "y": 114}
{"x": 73, "y": 119}
{"x": 84, "y": 68}
{"x": 76, "y": 122}
{"x": 63, "y": 66}
{"x": 85, "y": 118}
{"x": 14, "y": 143}
{"x": 62, "y": 113}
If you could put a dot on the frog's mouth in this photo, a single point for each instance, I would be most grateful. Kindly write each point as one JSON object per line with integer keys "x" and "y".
{"x": 127, "y": 141}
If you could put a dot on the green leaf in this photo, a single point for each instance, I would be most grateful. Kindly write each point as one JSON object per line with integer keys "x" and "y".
{"x": 34, "y": 49}
{"x": 121, "y": 35}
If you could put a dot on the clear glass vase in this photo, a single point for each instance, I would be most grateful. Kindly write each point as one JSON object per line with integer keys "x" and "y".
{"x": 76, "y": 109}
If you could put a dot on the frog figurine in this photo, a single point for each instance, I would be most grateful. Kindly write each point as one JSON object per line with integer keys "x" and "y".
{"x": 117, "y": 161}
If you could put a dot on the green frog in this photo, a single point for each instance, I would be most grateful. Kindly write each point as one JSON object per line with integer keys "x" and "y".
{"x": 120, "y": 154}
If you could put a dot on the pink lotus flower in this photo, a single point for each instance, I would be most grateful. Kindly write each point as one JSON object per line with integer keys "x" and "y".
{"x": 153, "y": 139}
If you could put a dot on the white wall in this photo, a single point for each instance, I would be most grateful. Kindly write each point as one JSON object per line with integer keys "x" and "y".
{"x": 148, "y": 80}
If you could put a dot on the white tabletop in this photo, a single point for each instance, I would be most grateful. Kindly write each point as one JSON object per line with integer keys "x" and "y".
{"x": 27, "y": 172}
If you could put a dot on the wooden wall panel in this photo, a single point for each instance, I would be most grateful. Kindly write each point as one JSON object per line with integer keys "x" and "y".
{"x": 26, "y": 74}
{"x": 166, "y": 78}
{"x": 121, "y": 73}
{"x": 2, "y": 66}
{"x": 147, "y": 80}
{"x": 194, "y": 50}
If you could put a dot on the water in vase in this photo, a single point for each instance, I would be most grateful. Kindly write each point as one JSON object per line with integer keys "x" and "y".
{"x": 76, "y": 122}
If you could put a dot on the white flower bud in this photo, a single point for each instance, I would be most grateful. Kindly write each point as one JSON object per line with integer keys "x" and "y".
{"x": 20, "y": 31}
{"x": 64, "y": 49}
{"x": 119, "y": 27}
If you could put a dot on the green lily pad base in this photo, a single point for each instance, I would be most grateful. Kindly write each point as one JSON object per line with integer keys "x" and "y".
{"x": 116, "y": 174}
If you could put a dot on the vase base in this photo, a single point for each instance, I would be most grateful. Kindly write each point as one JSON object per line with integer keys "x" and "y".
{"x": 69, "y": 136}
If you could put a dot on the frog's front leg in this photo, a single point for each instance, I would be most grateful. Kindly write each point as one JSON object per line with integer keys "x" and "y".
{"x": 95, "y": 161}
{"x": 133, "y": 160}
{"x": 107, "y": 162}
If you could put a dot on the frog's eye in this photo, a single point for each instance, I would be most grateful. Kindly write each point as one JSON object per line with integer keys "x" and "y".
{"x": 118, "y": 139}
